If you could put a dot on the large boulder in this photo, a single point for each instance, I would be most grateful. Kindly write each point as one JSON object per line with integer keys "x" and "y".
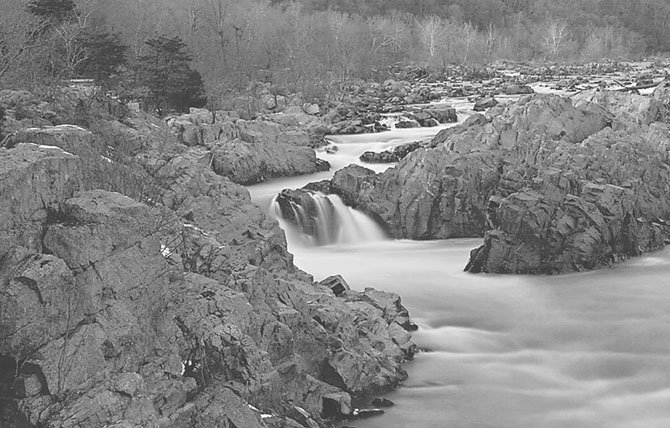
{"x": 485, "y": 103}
{"x": 251, "y": 162}
{"x": 442, "y": 115}
{"x": 33, "y": 180}
{"x": 390, "y": 156}
{"x": 33, "y": 296}
{"x": 258, "y": 131}
{"x": 514, "y": 89}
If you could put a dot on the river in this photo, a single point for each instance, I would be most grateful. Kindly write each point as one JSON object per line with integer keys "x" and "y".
{"x": 586, "y": 350}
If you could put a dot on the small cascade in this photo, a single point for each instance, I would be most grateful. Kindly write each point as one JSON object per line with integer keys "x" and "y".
{"x": 314, "y": 219}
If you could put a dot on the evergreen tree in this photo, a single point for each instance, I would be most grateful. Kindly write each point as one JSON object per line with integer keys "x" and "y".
{"x": 165, "y": 71}
{"x": 105, "y": 56}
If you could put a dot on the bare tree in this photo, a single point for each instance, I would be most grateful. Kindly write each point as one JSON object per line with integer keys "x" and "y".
{"x": 69, "y": 33}
{"x": 555, "y": 36}
{"x": 19, "y": 34}
{"x": 431, "y": 33}
{"x": 216, "y": 16}
{"x": 490, "y": 39}
{"x": 469, "y": 33}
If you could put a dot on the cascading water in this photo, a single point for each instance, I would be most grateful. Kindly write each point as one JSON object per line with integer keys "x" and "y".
{"x": 312, "y": 218}
{"x": 587, "y": 350}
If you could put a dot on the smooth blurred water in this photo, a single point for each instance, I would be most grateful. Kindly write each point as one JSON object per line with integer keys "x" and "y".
{"x": 587, "y": 350}
{"x": 338, "y": 224}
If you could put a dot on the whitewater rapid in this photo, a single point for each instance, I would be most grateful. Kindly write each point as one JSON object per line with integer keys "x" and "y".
{"x": 586, "y": 350}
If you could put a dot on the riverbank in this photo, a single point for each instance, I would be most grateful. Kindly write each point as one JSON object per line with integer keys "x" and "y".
{"x": 140, "y": 288}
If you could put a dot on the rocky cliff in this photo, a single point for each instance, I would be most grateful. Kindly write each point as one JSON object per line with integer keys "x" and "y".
{"x": 553, "y": 184}
{"x": 182, "y": 311}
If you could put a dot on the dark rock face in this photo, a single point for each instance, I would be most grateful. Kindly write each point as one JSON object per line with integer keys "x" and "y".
{"x": 514, "y": 89}
{"x": 484, "y": 103}
{"x": 349, "y": 119}
{"x": 387, "y": 156}
{"x": 554, "y": 187}
{"x": 390, "y": 156}
{"x": 405, "y": 124}
{"x": 442, "y": 115}
{"x": 178, "y": 315}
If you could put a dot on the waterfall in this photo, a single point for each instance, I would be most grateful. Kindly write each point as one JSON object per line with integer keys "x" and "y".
{"x": 313, "y": 219}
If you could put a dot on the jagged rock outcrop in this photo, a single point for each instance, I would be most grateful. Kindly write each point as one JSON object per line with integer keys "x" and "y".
{"x": 589, "y": 205}
{"x": 553, "y": 185}
{"x": 622, "y": 109}
{"x": 180, "y": 314}
{"x": 442, "y": 192}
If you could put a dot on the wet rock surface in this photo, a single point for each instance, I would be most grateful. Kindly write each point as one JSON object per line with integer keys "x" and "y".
{"x": 390, "y": 156}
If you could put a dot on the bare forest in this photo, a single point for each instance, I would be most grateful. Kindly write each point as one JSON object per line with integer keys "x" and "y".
{"x": 144, "y": 49}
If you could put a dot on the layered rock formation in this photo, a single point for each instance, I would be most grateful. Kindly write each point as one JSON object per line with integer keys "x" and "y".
{"x": 187, "y": 312}
{"x": 248, "y": 152}
{"x": 554, "y": 186}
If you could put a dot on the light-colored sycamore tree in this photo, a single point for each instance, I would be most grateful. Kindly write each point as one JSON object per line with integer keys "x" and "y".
{"x": 432, "y": 34}
{"x": 555, "y": 37}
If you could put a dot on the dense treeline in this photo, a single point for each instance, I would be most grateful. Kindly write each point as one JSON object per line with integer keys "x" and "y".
{"x": 650, "y": 19}
{"x": 316, "y": 47}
